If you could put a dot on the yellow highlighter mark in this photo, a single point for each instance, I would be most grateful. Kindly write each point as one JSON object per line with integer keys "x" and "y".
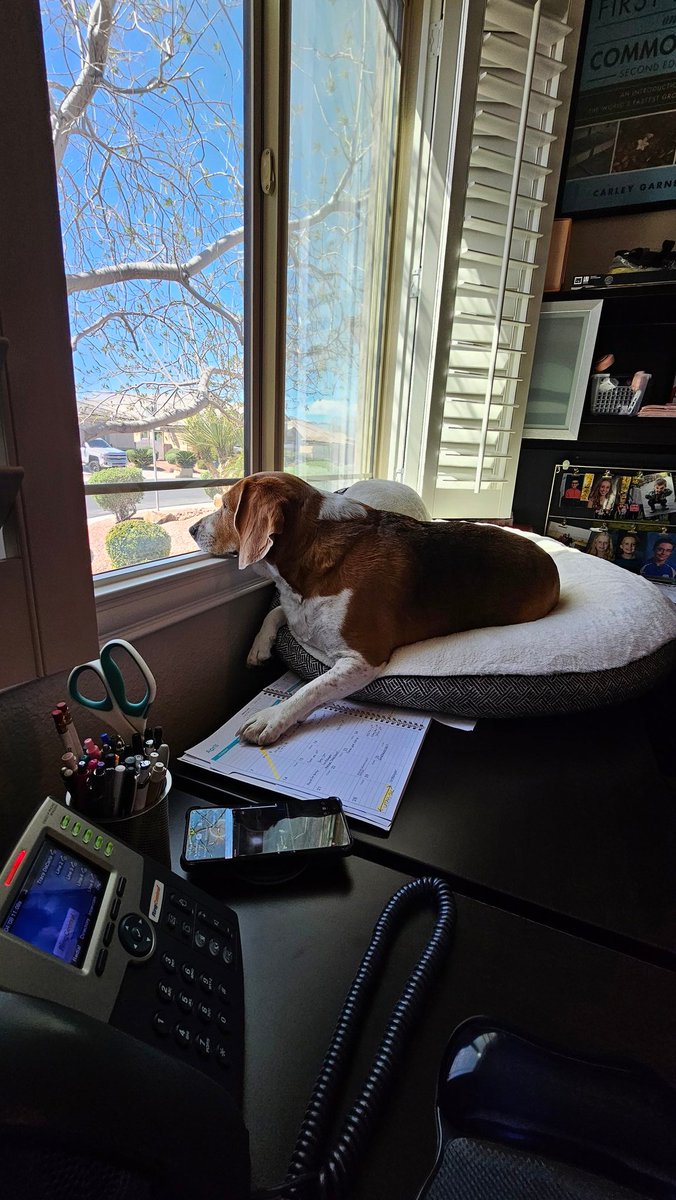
{"x": 386, "y": 799}
{"x": 268, "y": 759}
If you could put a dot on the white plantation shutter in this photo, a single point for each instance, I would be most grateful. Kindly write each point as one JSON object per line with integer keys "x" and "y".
{"x": 481, "y": 285}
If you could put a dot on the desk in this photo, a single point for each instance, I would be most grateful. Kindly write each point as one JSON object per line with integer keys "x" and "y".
{"x": 302, "y": 942}
{"x": 564, "y": 819}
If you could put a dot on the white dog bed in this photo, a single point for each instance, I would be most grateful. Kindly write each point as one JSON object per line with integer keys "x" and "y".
{"x": 612, "y": 635}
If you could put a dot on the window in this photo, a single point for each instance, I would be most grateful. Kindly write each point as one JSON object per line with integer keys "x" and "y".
{"x": 253, "y": 284}
{"x": 147, "y": 108}
{"x": 343, "y": 119}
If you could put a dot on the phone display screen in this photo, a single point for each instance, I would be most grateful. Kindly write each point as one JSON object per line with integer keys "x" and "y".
{"x": 58, "y": 903}
{"x": 223, "y": 834}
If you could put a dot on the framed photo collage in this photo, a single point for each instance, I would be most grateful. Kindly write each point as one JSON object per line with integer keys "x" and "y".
{"x": 626, "y": 516}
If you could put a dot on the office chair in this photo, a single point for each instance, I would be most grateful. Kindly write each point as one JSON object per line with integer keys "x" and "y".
{"x": 521, "y": 1120}
{"x": 88, "y": 1112}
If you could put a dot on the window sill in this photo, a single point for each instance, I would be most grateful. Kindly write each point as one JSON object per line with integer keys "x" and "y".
{"x": 136, "y": 601}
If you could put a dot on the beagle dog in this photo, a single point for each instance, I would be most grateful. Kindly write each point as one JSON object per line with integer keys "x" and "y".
{"x": 357, "y": 582}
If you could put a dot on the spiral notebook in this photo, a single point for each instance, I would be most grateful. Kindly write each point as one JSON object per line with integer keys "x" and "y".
{"x": 364, "y": 754}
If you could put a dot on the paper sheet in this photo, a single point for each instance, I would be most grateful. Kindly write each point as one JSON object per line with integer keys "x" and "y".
{"x": 364, "y": 754}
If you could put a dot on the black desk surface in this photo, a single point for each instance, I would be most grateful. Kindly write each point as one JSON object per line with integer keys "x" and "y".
{"x": 565, "y": 819}
{"x": 302, "y": 942}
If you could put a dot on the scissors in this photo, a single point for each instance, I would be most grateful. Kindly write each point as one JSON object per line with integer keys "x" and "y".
{"x": 126, "y": 716}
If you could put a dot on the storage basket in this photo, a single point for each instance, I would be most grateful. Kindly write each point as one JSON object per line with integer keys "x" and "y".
{"x": 614, "y": 397}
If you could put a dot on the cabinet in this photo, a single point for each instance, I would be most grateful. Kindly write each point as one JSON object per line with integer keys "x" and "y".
{"x": 638, "y": 326}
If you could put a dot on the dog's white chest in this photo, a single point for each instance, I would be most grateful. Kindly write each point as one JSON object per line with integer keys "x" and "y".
{"x": 315, "y": 623}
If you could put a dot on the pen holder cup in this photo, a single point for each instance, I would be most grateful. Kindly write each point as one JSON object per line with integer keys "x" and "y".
{"x": 147, "y": 831}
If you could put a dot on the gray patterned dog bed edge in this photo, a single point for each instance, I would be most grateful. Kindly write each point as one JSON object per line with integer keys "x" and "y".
{"x": 612, "y": 636}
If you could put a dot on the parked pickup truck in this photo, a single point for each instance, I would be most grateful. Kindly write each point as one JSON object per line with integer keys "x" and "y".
{"x": 98, "y": 453}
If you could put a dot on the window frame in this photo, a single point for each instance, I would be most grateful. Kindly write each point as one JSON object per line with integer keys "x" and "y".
{"x": 53, "y": 616}
{"x": 59, "y": 613}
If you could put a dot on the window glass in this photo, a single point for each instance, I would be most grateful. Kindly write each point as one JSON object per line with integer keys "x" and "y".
{"x": 147, "y": 111}
{"x": 344, "y": 87}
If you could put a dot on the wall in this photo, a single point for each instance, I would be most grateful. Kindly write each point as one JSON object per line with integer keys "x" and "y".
{"x": 201, "y": 680}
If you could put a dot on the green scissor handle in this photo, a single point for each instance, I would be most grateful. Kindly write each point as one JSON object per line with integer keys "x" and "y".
{"x": 116, "y": 684}
{"x": 112, "y": 679}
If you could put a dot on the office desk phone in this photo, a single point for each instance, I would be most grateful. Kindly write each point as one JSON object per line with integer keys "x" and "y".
{"x": 89, "y": 924}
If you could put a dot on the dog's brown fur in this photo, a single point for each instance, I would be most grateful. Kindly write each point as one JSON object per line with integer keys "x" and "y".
{"x": 393, "y": 580}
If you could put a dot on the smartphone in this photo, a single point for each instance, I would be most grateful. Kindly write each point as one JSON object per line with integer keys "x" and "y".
{"x": 266, "y": 831}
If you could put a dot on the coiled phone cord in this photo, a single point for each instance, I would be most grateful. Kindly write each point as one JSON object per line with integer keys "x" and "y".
{"x": 308, "y": 1176}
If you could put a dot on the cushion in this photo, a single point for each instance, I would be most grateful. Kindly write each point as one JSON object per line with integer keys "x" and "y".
{"x": 612, "y": 635}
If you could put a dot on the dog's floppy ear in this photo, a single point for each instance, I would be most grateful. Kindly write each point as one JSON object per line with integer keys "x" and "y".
{"x": 259, "y": 517}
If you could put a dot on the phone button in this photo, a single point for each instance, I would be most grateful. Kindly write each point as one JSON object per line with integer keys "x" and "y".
{"x": 204, "y": 1012}
{"x": 214, "y": 947}
{"x": 188, "y": 972}
{"x": 207, "y": 984}
{"x": 185, "y": 1002}
{"x": 162, "y": 1024}
{"x": 183, "y": 1034}
{"x": 165, "y": 992}
{"x": 203, "y": 1044}
{"x": 222, "y": 1057}
{"x": 136, "y": 935}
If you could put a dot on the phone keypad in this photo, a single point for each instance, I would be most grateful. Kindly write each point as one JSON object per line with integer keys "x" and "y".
{"x": 209, "y": 1034}
{"x": 184, "y": 993}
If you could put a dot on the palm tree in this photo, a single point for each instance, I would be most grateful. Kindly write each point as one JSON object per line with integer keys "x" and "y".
{"x": 212, "y": 435}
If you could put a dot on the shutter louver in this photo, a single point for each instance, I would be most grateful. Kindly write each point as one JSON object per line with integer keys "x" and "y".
{"x": 474, "y": 425}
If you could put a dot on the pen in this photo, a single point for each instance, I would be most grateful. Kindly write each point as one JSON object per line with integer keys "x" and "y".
{"x": 142, "y": 786}
{"x": 156, "y": 783}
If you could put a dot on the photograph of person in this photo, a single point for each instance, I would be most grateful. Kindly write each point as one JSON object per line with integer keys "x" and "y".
{"x": 627, "y": 506}
{"x": 628, "y": 550}
{"x": 601, "y": 501}
{"x": 600, "y": 545}
{"x": 660, "y": 558}
{"x": 574, "y": 489}
{"x": 657, "y": 494}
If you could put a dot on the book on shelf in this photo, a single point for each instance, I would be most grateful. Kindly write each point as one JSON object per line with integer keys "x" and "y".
{"x": 362, "y": 753}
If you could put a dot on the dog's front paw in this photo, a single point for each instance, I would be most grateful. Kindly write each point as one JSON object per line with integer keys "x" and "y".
{"x": 266, "y": 727}
{"x": 261, "y": 651}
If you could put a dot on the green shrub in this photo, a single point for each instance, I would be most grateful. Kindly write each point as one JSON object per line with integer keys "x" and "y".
{"x": 184, "y": 458}
{"x": 212, "y": 492}
{"x": 170, "y": 456}
{"x": 141, "y": 457}
{"x": 137, "y": 542}
{"x": 123, "y": 504}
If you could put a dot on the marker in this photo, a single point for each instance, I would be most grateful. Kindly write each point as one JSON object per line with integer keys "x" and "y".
{"x": 91, "y": 747}
{"x": 69, "y": 760}
{"x": 117, "y": 788}
{"x": 65, "y": 730}
{"x": 63, "y": 708}
{"x": 157, "y": 736}
{"x": 128, "y": 791}
{"x": 163, "y": 752}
